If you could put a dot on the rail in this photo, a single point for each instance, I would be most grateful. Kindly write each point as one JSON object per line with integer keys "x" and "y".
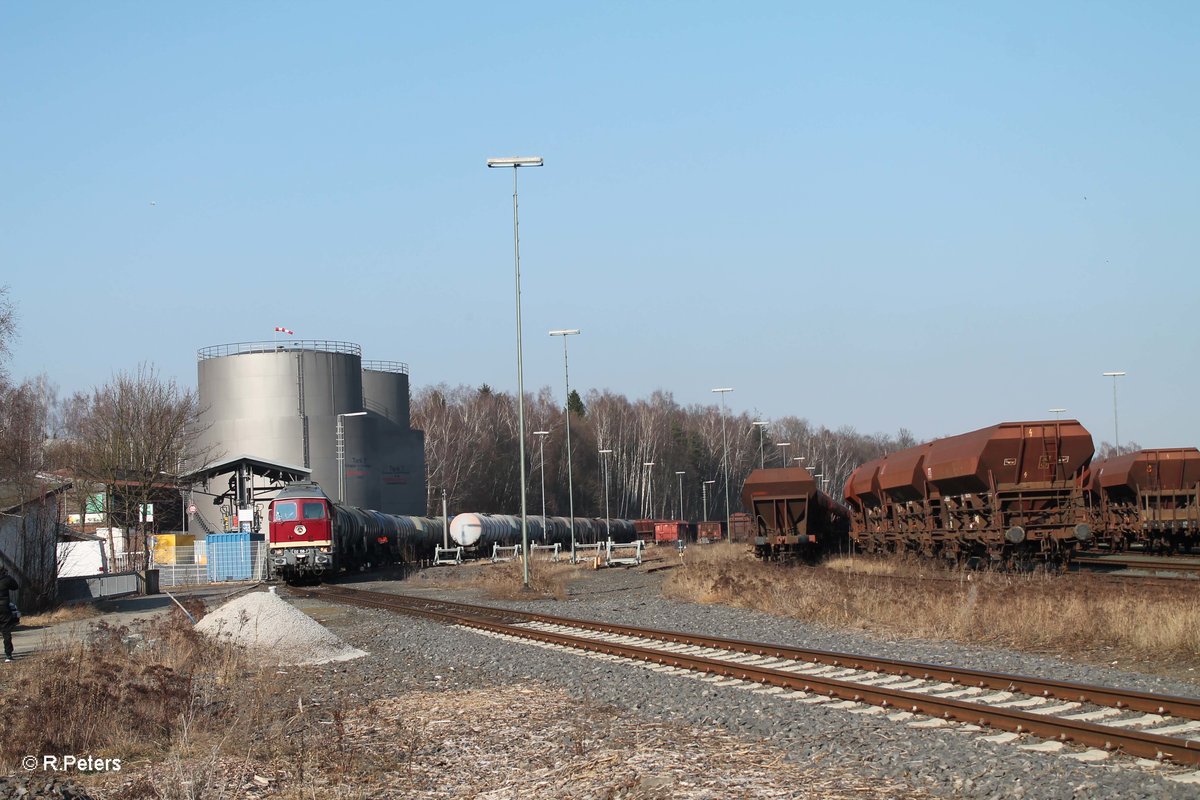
{"x": 791, "y": 669}
{"x": 1150, "y": 563}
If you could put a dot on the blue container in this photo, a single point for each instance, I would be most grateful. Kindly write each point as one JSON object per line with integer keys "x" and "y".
{"x": 231, "y": 556}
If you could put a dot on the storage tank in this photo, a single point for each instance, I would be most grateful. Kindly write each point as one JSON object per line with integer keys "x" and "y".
{"x": 385, "y": 390}
{"x": 281, "y": 401}
{"x": 484, "y": 530}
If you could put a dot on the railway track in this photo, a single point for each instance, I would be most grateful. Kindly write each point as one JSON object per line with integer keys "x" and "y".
{"x": 1135, "y": 562}
{"x": 1103, "y": 720}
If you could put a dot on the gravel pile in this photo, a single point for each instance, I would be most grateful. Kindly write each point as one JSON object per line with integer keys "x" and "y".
{"x": 408, "y": 653}
{"x": 275, "y": 631}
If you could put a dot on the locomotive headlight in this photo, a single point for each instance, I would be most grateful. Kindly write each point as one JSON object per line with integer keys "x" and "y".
{"x": 324, "y": 549}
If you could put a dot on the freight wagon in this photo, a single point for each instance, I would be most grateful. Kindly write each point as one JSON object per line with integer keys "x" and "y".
{"x": 741, "y": 527}
{"x": 1148, "y": 500}
{"x": 670, "y": 533}
{"x": 1008, "y": 491}
{"x": 792, "y": 518}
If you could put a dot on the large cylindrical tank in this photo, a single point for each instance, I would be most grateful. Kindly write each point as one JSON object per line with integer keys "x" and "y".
{"x": 484, "y": 530}
{"x": 281, "y": 402}
{"x": 385, "y": 390}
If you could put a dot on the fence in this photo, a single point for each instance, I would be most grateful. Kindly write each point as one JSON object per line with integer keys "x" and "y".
{"x": 202, "y": 563}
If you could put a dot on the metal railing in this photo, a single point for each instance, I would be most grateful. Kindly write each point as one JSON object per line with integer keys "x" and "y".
{"x": 281, "y": 346}
{"x": 127, "y": 562}
{"x": 398, "y": 367}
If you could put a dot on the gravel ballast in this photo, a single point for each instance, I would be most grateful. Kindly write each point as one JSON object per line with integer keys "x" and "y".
{"x": 947, "y": 761}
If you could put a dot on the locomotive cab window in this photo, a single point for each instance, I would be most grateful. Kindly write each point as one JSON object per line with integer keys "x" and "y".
{"x": 314, "y": 510}
{"x": 285, "y": 512}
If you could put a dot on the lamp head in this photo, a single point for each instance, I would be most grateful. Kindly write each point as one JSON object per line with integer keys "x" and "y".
{"x": 515, "y": 161}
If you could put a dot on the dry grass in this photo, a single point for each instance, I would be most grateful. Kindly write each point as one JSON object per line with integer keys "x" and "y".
{"x": 161, "y": 695}
{"x": 68, "y": 613}
{"x": 1067, "y": 615}
{"x": 505, "y": 580}
{"x": 193, "y": 720}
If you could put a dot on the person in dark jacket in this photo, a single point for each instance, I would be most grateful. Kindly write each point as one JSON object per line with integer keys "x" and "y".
{"x": 8, "y": 620}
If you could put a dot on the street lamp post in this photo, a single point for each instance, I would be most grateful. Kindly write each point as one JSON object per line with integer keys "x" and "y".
{"x": 762, "y": 458}
{"x": 1057, "y": 412}
{"x": 784, "y": 446}
{"x": 650, "y": 486}
{"x": 679, "y": 474}
{"x": 725, "y": 458}
{"x": 607, "y": 516}
{"x": 516, "y": 164}
{"x": 567, "y": 419}
{"x": 1116, "y": 427}
{"x": 704, "y": 500}
{"x": 542, "y": 469}
{"x": 682, "y": 530}
{"x": 799, "y": 460}
{"x": 341, "y": 452}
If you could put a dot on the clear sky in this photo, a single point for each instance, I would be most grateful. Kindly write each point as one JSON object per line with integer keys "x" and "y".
{"x": 931, "y": 215}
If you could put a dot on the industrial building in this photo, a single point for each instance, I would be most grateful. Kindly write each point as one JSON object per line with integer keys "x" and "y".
{"x": 319, "y": 406}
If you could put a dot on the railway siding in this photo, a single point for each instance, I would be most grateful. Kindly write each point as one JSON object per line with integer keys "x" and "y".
{"x": 943, "y": 758}
{"x": 930, "y": 694}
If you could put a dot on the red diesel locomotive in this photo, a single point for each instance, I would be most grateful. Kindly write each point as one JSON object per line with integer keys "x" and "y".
{"x": 311, "y": 536}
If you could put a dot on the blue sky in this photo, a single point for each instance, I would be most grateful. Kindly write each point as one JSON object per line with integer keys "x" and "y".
{"x": 930, "y": 215}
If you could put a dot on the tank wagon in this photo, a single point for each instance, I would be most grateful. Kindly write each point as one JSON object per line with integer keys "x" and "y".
{"x": 791, "y": 517}
{"x": 480, "y": 532}
{"x": 1009, "y": 491}
{"x": 1149, "y": 499}
{"x": 310, "y": 536}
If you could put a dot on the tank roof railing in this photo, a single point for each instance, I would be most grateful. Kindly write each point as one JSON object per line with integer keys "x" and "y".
{"x": 282, "y": 346}
{"x": 386, "y": 366}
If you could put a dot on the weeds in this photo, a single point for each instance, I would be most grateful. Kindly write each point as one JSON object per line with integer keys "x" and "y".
{"x": 68, "y": 613}
{"x": 162, "y": 693}
{"x": 1068, "y": 614}
{"x": 505, "y": 580}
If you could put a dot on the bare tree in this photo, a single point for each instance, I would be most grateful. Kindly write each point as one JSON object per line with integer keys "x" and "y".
{"x": 8, "y": 331}
{"x": 24, "y": 417}
{"x": 1109, "y": 450}
{"x": 135, "y": 435}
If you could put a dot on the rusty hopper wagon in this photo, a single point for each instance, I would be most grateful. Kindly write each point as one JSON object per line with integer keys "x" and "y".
{"x": 792, "y": 519}
{"x": 1007, "y": 492}
{"x": 1148, "y": 499}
